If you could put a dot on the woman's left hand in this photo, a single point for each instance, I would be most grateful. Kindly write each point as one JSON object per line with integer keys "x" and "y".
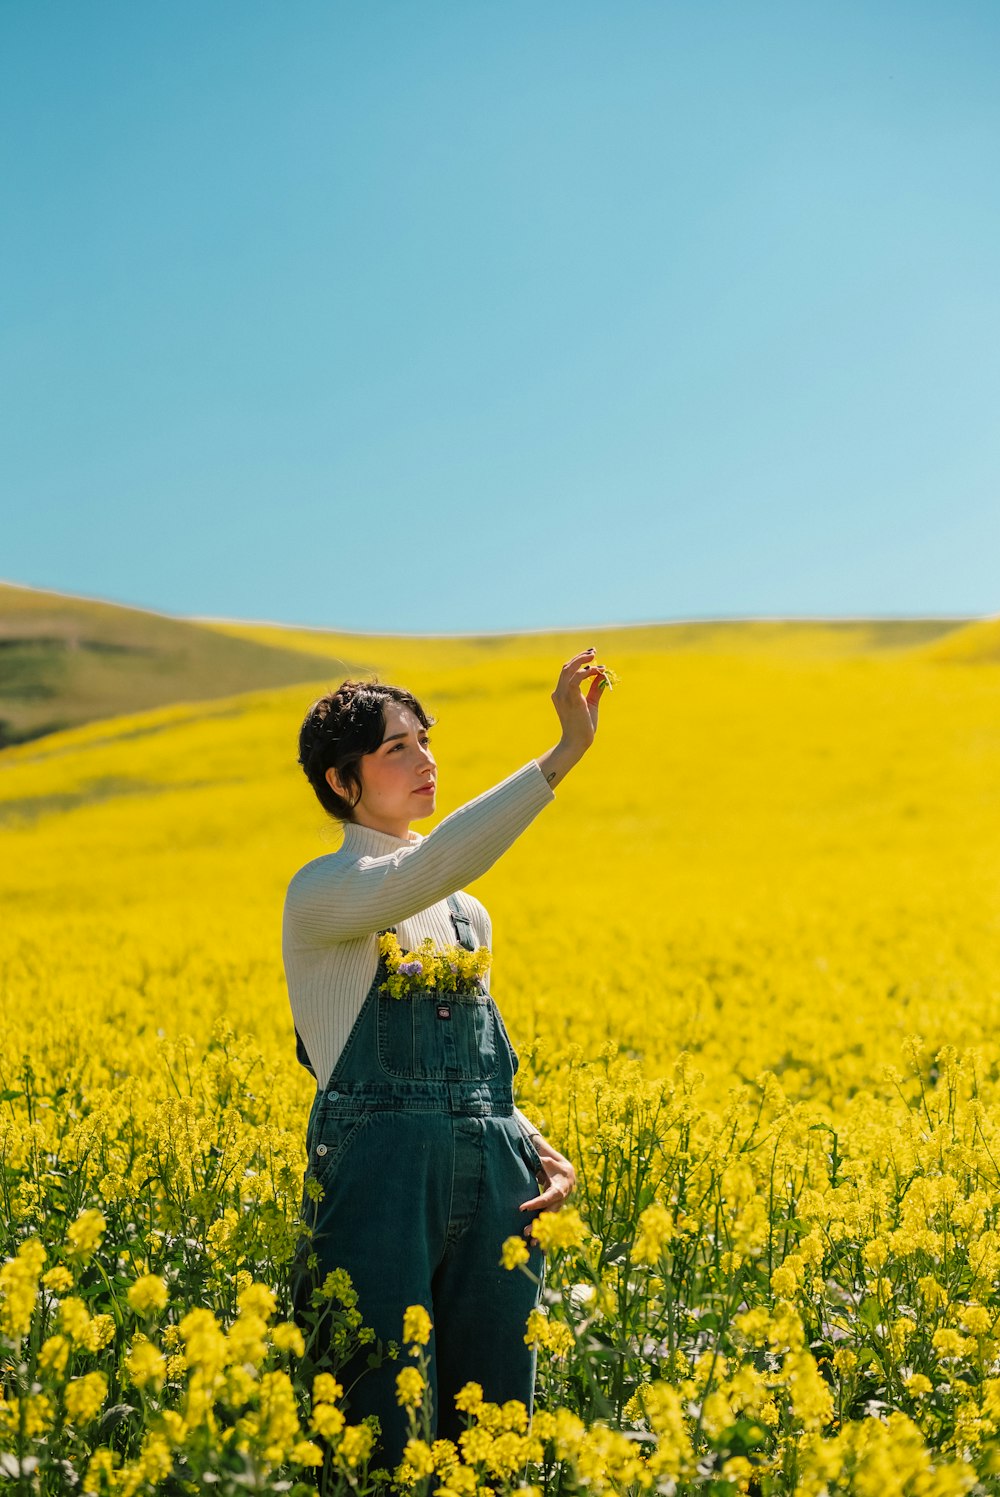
{"x": 557, "y": 1175}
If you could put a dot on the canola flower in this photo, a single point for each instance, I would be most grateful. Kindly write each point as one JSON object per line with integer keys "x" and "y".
{"x": 437, "y": 969}
{"x": 771, "y": 1054}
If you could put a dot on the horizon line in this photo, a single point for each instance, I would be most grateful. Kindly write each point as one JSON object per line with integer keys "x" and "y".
{"x": 768, "y": 618}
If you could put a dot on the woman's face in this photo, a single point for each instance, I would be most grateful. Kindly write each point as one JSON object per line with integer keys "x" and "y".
{"x": 398, "y": 780}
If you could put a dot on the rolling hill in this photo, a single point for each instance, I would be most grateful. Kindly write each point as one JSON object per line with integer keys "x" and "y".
{"x": 66, "y": 660}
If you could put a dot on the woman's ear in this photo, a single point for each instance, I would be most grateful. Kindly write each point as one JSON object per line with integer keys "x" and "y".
{"x": 333, "y": 780}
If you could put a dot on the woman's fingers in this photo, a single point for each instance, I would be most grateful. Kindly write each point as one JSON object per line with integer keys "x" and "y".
{"x": 579, "y": 676}
{"x": 559, "y": 1177}
{"x": 552, "y": 1199}
{"x": 576, "y": 667}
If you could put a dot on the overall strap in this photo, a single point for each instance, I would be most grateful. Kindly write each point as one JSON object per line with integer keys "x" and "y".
{"x": 462, "y": 924}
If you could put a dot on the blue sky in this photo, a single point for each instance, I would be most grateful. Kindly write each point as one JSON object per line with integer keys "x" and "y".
{"x": 454, "y": 316}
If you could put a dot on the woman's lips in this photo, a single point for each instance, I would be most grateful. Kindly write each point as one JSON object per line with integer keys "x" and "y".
{"x": 425, "y": 790}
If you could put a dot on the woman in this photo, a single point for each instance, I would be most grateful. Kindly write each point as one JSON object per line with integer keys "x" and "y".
{"x": 426, "y": 1166}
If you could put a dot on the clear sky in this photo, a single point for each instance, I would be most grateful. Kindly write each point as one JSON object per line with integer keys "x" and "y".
{"x": 465, "y": 315}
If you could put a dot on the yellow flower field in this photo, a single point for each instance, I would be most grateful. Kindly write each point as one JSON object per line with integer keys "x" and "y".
{"x": 750, "y": 958}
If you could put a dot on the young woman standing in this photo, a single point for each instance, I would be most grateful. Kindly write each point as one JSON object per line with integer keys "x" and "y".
{"x": 425, "y": 1164}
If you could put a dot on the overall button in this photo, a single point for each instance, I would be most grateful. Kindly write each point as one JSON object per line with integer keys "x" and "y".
{"x": 333, "y": 1096}
{"x": 321, "y": 1149}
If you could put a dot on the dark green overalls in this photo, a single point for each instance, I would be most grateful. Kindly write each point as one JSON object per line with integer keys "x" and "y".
{"x": 423, "y": 1168}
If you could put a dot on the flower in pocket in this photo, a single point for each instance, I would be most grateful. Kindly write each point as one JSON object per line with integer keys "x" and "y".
{"x": 448, "y": 969}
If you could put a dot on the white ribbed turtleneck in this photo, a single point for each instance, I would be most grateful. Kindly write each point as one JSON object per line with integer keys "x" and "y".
{"x": 337, "y": 904}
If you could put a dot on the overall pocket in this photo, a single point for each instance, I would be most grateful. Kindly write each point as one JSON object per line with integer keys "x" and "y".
{"x": 452, "y": 1037}
{"x": 330, "y": 1136}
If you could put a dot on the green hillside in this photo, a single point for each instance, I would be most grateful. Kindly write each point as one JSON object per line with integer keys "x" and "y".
{"x": 66, "y": 661}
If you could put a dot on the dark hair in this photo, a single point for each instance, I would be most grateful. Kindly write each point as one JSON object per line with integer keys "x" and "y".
{"x": 339, "y": 729}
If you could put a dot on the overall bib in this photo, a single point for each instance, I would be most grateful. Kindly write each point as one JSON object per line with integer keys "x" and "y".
{"x": 423, "y": 1167}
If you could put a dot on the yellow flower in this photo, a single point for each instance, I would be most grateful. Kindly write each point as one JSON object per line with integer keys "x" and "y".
{"x": 553, "y": 1335}
{"x": 54, "y": 1354}
{"x": 239, "y": 1386}
{"x": 100, "y": 1471}
{"x": 155, "y": 1461}
{"x": 327, "y": 1420}
{"x": 58, "y": 1279}
{"x": 418, "y": 1461}
{"x": 409, "y": 1388}
{"x": 469, "y": 1398}
{"x": 19, "y": 1288}
{"x": 38, "y": 1414}
{"x": 917, "y": 1383}
{"x": 355, "y": 1446}
{"x": 257, "y": 1299}
{"x": 147, "y": 1294}
{"x": 876, "y": 1253}
{"x": 513, "y": 1252}
{"x": 559, "y": 1229}
{"x": 306, "y": 1453}
{"x": 279, "y": 1420}
{"x": 783, "y": 1281}
{"x": 85, "y": 1234}
{"x": 75, "y": 1321}
{"x": 102, "y": 1331}
{"x": 977, "y": 1319}
{"x": 417, "y": 1326}
{"x": 84, "y": 1397}
{"x": 245, "y": 1340}
{"x": 326, "y": 1389}
{"x": 656, "y": 1229}
{"x": 205, "y": 1343}
{"x": 286, "y": 1336}
{"x": 949, "y": 1343}
{"x": 146, "y": 1365}
{"x": 174, "y": 1426}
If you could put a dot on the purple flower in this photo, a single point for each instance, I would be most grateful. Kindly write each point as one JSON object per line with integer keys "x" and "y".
{"x": 412, "y": 969}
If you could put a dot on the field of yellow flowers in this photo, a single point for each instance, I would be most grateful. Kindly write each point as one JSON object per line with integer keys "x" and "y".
{"x": 750, "y": 958}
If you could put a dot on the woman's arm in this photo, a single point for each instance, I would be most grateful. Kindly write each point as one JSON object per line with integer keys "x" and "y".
{"x": 332, "y": 900}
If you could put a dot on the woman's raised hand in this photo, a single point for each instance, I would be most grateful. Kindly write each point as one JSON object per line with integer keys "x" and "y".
{"x": 577, "y": 714}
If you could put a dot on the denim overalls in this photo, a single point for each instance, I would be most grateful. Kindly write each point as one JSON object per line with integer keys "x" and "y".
{"x": 423, "y": 1168}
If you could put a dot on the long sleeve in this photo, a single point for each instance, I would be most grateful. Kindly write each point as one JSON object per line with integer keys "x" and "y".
{"x": 332, "y": 899}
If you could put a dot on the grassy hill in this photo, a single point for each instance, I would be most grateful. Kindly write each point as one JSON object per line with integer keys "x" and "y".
{"x": 978, "y": 643}
{"x": 66, "y": 661}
